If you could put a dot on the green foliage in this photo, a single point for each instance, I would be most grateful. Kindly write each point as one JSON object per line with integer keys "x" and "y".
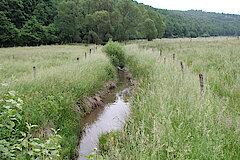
{"x": 94, "y": 38}
{"x": 8, "y": 31}
{"x": 16, "y": 139}
{"x": 70, "y": 21}
{"x": 45, "y": 12}
{"x": 96, "y": 22}
{"x": 74, "y": 21}
{"x": 198, "y": 23}
{"x": 14, "y": 10}
{"x": 32, "y": 32}
{"x": 94, "y": 156}
{"x": 149, "y": 29}
{"x": 50, "y": 34}
{"x": 116, "y": 53}
{"x": 99, "y": 22}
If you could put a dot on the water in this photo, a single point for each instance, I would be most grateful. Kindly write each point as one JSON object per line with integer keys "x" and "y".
{"x": 109, "y": 117}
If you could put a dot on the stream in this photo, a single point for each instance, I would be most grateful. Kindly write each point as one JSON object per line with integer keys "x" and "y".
{"x": 109, "y": 117}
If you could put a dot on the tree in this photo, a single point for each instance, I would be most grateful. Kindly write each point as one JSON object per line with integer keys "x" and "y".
{"x": 70, "y": 21}
{"x": 50, "y": 34}
{"x": 8, "y": 31}
{"x": 149, "y": 29}
{"x": 131, "y": 17}
{"x": 32, "y": 33}
{"x": 159, "y": 24}
{"x": 99, "y": 22}
{"x": 98, "y": 5}
{"x": 14, "y": 11}
{"x": 94, "y": 38}
{"x": 45, "y": 12}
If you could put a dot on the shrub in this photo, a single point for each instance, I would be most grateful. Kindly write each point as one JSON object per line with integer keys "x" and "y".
{"x": 116, "y": 53}
{"x": 94, "y": 38}
{"x": 16, "y": 138}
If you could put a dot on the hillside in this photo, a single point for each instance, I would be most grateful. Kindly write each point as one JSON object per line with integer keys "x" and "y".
{"x": 36, "y": 22}
{"x": 76, "y": 21}
{"x": 195, "y": 23}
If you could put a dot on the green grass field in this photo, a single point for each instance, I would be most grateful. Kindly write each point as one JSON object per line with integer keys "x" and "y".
{"x": 50, "y": 99}
{"x": 170, "y": 117}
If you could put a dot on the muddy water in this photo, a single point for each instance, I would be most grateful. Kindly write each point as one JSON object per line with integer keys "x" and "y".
{"x": 109, "y": 117}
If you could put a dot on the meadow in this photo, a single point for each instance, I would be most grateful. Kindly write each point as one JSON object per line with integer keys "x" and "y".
{"x": 63, "y": 77}
{"x": 171, "y": 118}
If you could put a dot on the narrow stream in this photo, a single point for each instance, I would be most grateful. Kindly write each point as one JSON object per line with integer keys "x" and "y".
{"x": 106, "y": 118}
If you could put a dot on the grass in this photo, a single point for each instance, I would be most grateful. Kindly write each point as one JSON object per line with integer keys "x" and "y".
{"x": 61, "y": 81}
{"x": 170, "y": 118}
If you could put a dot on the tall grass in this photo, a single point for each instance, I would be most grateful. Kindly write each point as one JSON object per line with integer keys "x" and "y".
{"x": 50, "y": 99}
{"x": 217, "y": 58}
{"x": 170, "y": 118}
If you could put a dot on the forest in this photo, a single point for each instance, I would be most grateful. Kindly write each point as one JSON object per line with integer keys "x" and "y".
{"x": 36, "y": 22}
{"x": 196, "y": 23}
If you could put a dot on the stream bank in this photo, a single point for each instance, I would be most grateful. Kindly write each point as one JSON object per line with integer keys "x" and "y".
{"x": 110, "y": 114}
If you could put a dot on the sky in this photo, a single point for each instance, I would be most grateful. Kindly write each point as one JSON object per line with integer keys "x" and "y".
{"x": 219, "y": 6}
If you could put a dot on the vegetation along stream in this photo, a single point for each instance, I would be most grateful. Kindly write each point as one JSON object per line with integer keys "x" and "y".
{"x": 108, "y": 117}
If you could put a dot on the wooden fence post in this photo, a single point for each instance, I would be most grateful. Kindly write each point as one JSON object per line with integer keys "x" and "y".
{"x": 85, "y": 55}
{"x": 201, "y": 82}
{"x": 34, "y": 72}
{"x": 90, "y": 51}
{"x": 181, "y": 66}
{"x": 165, "y": 59}
{"x": 174, "y": 57}
{"x": 160, "y": 53}
{"x": 78, "y": 59}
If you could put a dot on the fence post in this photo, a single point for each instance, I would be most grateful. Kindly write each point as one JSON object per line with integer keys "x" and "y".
{"x": 165, "y": 59}
{"x": 78, "y": 59}
{"x": 85, "y": 55}
{"x": 34, "y": 72}
{"x": 160, "y": 53}
{"x": 90, "y": 50}
{"x": 174, "y": 57}
{"x": 201, "y": 82}
{"x": 181, "y": 66}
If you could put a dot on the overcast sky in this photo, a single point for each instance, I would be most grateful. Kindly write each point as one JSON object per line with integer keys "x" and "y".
{"x": 225, "y": 6}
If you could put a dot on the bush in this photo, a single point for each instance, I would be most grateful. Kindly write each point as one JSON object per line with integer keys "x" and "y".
{"x": 116, "y": 53}
{"x": 16, "y": 136}
{"x": 94, "y": 38}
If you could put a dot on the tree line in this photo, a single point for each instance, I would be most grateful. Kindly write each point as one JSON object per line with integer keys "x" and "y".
{"x": 35, "y": 22}
{"x": 196, "y": 23}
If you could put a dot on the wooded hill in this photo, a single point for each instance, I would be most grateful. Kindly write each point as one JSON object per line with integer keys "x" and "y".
{"x": 195, "y": 23}
{"x": 36, "y": 22}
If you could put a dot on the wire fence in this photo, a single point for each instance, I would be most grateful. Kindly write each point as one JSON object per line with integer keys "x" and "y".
{"x": 201, "y": 86}
{"x": 222, "y": 101}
